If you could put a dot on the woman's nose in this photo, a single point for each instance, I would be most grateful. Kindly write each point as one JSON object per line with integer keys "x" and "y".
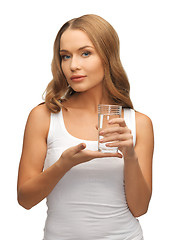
{"x": 74, "y": 64}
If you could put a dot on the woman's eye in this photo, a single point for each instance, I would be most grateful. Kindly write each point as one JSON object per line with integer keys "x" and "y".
{"x": 86, "y": 54}
{"x": 65, "y": 57}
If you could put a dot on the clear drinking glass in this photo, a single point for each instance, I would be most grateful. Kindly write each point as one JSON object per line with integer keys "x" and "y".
{"x": 106, "y": 113}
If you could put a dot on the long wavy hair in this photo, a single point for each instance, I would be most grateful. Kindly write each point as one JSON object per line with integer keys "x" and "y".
{"x": 106, "y": 42}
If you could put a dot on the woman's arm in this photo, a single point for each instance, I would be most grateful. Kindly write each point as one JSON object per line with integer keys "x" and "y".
{"x": 137, "y": 160}
{"x": 34, "y": 184}
{"x": 138, "y": 168}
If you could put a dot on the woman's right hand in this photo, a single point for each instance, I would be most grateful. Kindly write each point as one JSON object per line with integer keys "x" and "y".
{"x": 77, "y": 154}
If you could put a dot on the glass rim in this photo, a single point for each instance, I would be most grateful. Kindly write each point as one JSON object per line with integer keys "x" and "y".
{"x": 108, "y": 105}
{"x": 109, "y": 109}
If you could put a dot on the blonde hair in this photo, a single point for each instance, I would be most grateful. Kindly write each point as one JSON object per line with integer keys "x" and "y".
{"x": 106, "y": 42}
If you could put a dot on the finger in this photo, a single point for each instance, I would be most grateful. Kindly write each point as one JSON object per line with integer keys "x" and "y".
{"x": 107, "y": 154}
{"x": 119, "y": 121}
{"x": 117, "y": 154}
{"x": 118, "y": 130}
{"x": 116, "y": 137}
{"x": 78, "y": 148}
{"x": 120, "y": 144}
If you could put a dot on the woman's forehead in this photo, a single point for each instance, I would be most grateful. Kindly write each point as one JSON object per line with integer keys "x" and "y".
{"x": 74, "y": 38}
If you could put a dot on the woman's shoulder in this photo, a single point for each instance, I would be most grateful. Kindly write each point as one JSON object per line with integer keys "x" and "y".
{"x": 144, "y": 125}
{"x": 39, "y": 118}
{"x": 142, "y": 119}
{"x": 40, "y": 112}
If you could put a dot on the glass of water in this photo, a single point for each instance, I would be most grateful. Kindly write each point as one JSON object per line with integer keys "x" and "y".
{"x": 106, "y": 113}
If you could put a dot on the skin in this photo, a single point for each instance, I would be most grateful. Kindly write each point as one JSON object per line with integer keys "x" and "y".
{"x": 34, "y": 184}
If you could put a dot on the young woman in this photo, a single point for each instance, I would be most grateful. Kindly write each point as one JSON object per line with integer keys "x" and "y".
{"x": 90, "y": 194}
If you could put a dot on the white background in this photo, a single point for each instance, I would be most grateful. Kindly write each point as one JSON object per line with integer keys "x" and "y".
{"x": 150, "y": 53}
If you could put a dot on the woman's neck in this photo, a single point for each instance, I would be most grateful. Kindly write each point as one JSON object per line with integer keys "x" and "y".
{"x": 88, "y": 100}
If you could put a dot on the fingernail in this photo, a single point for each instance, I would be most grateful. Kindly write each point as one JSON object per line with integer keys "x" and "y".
{"x": 101, "y": 132}
{"x": 110, "y": 121}
{"x": 82, "y": 145}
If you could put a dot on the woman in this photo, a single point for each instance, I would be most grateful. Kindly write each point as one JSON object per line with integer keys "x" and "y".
{"x": 90, "y": 194}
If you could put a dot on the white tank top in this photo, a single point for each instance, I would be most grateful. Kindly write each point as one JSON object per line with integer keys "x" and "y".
{"x": 89, "y": 202}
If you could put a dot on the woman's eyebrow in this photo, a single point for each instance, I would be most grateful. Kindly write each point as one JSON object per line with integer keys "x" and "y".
{"x": 87, "y": 46}
{"x": 62, "y": 50}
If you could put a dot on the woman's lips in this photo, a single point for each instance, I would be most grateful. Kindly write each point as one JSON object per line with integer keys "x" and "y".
{"x": 77, "y": 78}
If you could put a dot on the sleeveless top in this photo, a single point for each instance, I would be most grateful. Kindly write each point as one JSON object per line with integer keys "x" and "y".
{"x": 88, "y": 203}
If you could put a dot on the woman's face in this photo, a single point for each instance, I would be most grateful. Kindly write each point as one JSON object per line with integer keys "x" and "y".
{"x": 80, "y": 62}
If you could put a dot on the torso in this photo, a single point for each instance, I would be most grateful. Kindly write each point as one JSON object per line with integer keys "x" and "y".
{"x": 85, "y": 195}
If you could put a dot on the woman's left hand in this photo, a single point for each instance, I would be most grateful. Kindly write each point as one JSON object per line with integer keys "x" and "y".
{"x": 119, "y": 136}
